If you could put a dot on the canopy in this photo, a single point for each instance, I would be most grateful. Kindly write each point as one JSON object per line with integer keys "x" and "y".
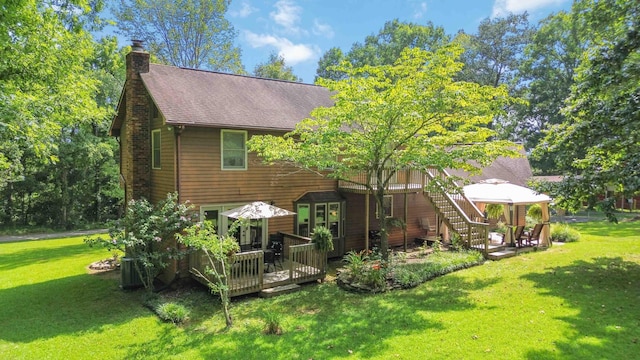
{"x": 496, "y": 191}
{"x": 257, "y": 210}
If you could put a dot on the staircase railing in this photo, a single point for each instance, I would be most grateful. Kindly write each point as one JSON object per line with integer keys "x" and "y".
{"x": 460, "y": 213}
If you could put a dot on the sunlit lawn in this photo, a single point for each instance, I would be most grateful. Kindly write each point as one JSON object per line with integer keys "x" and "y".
{"x": 575, "y": 301}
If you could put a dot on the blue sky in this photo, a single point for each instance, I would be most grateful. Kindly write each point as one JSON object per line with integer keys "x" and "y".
{"x": 302, "y": 30}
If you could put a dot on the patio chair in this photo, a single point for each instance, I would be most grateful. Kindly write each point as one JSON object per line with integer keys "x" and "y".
{"x": 426, "y": 226}
{"x": 534, "y": 235}
{"x": 519, "y": 235}
{"x": 277, "y": 254}
{"x": 269, "y": 259}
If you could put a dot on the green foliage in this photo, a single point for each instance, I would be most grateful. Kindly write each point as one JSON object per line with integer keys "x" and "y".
{"x": 535, "y": 212}
{"x": 187, "y": 33}
{"x": 147, "y": 233}
{"x": 598, "y": 145}
{"x": 436, "y": 264}
{"x": 173, "y": 312}
{"x": 386, "y": 118}
{"x": 273, "y": 323}
{"x": 564, "y": 233}
{"x": 275, "y": 68}
{"x": 322, "y": 238}
{"x": 549, "y": 64}
{"x": 384, "y": 48}
{"x": 456, "y": 241}
{"x": 45, "y": 84}
{"x": 494, "y": 211}
{"x": 364, "y": 272}
{"x": 220, "y": 252}
{"x": 85, "y": 316}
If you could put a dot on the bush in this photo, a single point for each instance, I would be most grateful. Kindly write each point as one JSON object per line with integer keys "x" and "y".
{"x": 366, "y": 275}
{"x": 411, "y": 275}
{"x": 272, "y": 320}
{"x": 564, "y": 233}
{"x": 364, "y": 272}
{"x": 174, "y": 312}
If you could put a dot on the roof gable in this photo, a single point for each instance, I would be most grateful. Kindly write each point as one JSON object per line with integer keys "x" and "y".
{"x": 205, "y": 98}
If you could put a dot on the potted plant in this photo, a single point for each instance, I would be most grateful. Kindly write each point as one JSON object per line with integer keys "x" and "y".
{"x": 322, "y": 238}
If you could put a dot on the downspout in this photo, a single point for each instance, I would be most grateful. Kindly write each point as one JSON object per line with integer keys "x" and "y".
{"x": 176, "y": 174}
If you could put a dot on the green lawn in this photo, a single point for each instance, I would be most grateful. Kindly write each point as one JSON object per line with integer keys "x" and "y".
{"x": 575, "y": 301}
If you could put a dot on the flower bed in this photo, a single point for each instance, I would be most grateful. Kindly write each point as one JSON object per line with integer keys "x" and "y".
{"x": 366, "y": 272}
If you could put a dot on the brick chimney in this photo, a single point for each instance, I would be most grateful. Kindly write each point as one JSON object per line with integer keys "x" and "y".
{"x": 136, "y": 162}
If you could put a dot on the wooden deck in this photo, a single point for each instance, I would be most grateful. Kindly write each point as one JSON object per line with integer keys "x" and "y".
{"x": 300, "y": 263}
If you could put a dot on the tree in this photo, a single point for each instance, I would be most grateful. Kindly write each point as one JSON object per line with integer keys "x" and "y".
{"x": 384, "y": 48}
{"x": 548, "y": 66}
{"x": 275, "y": 68}
{"x": 599, "y": 143}
{"x": 44, "y": 83}
{"x": 410, "y": 114}
{"x": 219, "y": 251}
{"x": 492, "y": 56}
{"x": 188, "y": 33}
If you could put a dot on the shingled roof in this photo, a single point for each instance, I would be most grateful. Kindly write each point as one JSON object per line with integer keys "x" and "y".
{"x": 204, "y": 98}
{"x": 514, "y": 170}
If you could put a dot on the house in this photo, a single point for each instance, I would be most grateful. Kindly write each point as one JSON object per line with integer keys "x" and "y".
{"x": 185, "y": 131}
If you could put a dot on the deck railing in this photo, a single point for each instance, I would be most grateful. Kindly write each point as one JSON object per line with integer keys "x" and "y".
{"x": 306, "y": 263}
{"x": 246, "y": 274}
{"x": 460, "y": 212}
{"x": 401, "y": 181}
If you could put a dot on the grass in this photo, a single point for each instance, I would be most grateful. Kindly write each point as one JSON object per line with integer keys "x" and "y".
{"x": 575, "y": 301}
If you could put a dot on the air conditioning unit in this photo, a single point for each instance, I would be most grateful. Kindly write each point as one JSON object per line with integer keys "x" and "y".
{"x": 129, "y": 277}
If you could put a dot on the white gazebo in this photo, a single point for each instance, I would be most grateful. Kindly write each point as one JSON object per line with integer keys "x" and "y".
{"x": 496, "y": 191}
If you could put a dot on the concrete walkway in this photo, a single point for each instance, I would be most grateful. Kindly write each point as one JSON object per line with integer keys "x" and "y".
{"x": 26, "y": 237}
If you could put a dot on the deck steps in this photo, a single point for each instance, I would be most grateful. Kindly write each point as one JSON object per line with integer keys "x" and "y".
{"x": 502, "y": 254}
{"x": 279, "y": 290}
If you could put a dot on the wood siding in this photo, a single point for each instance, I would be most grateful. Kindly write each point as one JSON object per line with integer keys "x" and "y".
{"x": 163, "y": 180}
{"x": 418, "y": 207}
{"x": 204, "y": 183}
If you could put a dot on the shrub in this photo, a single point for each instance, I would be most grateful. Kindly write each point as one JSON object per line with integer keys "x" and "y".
{"x": 411, "y": 275}
{"x": 272, "y": 321}
{"x": 364, "y": 272}
{"x": 564, "y": 233}
{"x": 174, "y": 312}
{"x": 535, "y": 212}
{"x": 146, "y": 233}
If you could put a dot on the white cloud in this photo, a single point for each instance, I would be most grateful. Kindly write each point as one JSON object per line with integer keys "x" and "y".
{"x": 245, "y": 10}
{"x": 421, "y": 9}
{"x": 292, "y": 53}
{"x": 322, "y": 29}
{"x": 287, "y": 15}
{"x": 504, "y": 7}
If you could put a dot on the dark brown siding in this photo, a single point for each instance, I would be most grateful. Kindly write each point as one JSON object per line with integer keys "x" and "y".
{"x": 417, "y": 205}
{"x": 204, "y": 183}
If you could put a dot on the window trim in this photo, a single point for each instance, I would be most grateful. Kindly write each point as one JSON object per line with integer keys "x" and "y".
{"x": 222, "y": 166}
{"x": 156, "y": 162}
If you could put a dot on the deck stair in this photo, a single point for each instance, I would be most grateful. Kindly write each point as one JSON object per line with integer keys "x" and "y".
{"x": 458, "y": 212}
{"x": 279, "y": 290}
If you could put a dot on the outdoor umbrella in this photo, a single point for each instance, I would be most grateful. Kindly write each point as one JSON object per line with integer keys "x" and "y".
{"x": 257, "y": 210}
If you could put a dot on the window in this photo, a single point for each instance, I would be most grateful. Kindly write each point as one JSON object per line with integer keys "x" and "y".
{"x": 234, "y": 150}
{"x": 303, "y": 219}
{"x": 334, "y": 219}
{"x": 387, "y": 207}
{"x": 155, "y": 149}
